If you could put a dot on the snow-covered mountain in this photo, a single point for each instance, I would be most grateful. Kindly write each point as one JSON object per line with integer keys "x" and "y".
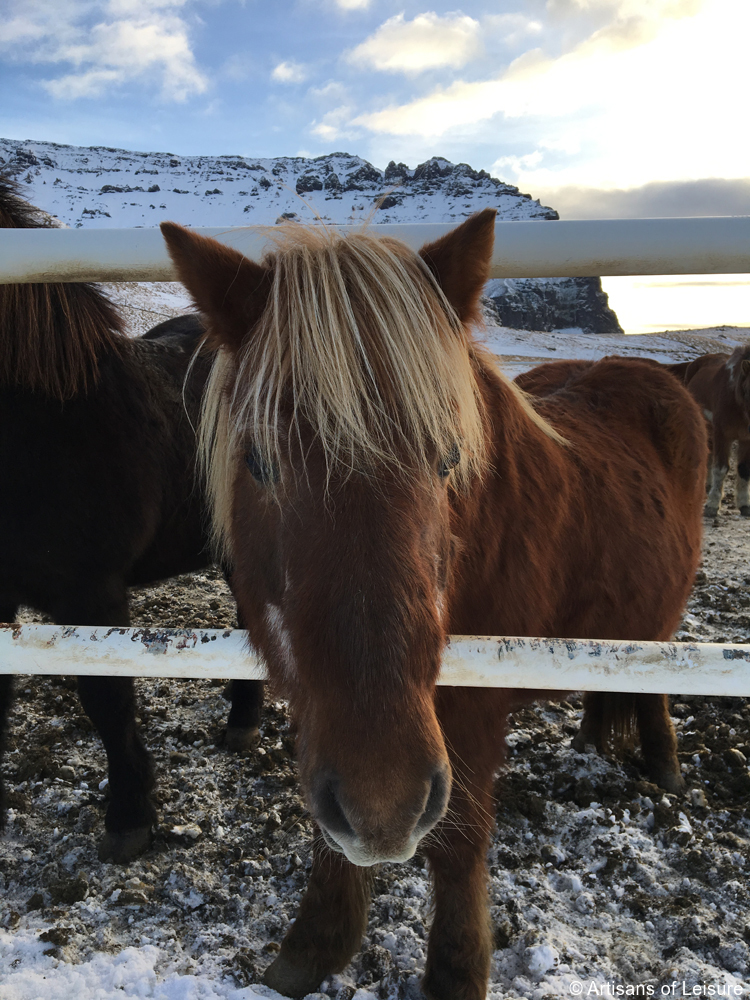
{"x": 101, "y": 187}
{"x": 97, "y": 186}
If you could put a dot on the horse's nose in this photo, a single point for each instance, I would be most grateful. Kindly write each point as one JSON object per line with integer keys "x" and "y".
{"x": 348, "y": 821}
{"x": 327, "y": 808}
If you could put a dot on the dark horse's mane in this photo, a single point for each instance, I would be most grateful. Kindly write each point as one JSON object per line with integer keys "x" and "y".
{"x": 51, "y": 335}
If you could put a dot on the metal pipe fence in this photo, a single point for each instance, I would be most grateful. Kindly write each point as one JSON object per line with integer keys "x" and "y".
{"x": 522, "y": 249}
{"x": 468, "y": 660}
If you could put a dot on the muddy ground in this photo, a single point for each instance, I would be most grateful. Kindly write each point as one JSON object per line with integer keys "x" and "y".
{"x": 596, "y": 875}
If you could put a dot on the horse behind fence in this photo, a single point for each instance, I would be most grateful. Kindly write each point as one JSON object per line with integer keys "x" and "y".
{"x": 379, "y": 484}
{"x": 721, "y": 384}
{"x": 99, "y": 492}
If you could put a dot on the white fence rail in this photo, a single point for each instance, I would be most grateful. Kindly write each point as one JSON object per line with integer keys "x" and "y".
{"x": 522, "y": 249}
{"x": 468, "y": 661}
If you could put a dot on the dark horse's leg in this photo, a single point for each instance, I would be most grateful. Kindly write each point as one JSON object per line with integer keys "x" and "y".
{"x": 110, "y": 704}
{"x": 330, "y": 924}
{"x": 245, "y": 714}
{"x": 7, "y": 614}
{"x": 742, "y": 492}
{"x": 247, "y": 704}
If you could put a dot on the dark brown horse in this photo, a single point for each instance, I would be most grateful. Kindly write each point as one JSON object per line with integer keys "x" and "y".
{"x": 721, "y": 384}
{"x": 379, "y": 484}
{"x": 98, "y": 492}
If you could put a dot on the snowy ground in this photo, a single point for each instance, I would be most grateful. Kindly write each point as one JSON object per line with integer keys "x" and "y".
{"x": 596, "y": 876}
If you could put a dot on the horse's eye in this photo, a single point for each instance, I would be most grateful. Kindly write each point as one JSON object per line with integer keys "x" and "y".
{"x": 261, "y": 472}
{"x": 450, "y": 461}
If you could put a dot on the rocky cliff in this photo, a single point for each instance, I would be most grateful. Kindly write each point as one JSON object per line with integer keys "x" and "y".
{"x": 551, "y": 304}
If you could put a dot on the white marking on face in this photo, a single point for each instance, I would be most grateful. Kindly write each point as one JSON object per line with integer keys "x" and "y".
{"x": 281, "y": 637}
{"x": 708, "y": 415}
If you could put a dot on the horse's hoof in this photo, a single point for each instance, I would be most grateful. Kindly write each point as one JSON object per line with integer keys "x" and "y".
{"x": 745, "y": 511}
{"x": 670, "y": 781}
{"x": 122, "y": 848}
{"x": 241, "y": 738}
{"x": 579, "y": 741}
{"x": 290, "y": 980}
{"x": 710, "y": 511}
{"x": 584, "y": 742}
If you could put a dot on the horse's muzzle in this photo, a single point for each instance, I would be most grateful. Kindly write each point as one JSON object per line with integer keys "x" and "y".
{"x": 370, "y": 836}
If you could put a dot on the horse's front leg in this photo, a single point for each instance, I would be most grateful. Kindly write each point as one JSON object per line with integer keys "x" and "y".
{"x": 719, "y": 469}
{"x": 329, "y": 928}
{"x": 461, "y": 940}
{"x": 111, "y": 705}
{"x": 243, "y": 724}
{"x": 742, "y": 493}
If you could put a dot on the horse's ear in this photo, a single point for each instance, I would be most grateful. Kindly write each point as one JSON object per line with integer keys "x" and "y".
{"x": 460, "y": 261}
{"x": 228, "y": 288}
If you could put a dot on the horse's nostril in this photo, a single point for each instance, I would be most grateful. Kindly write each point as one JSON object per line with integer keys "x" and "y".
{"x": 328, "y": 810}
{"x": 437, "y": 800}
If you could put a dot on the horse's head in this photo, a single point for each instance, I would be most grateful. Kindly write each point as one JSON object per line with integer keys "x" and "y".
{"x": 342, "y": 409}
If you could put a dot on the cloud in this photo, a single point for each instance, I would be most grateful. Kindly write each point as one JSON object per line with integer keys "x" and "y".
{"x": 625, "y": 9}
{"x": 427, "y": 42}
{"x": 661, "y": 199}
{"x": 511, "y": 28}
{"x": 289, "y": 72}
{"x": 352, "y": 4}
{"x": 334, "y": 124}
{"x": 331, "y": 92}
{"x": 640, "y": 111}
{"x": 107, "y": 44}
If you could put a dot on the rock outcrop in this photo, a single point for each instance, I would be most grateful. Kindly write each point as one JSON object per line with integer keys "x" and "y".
{"x": 551, "y": 304}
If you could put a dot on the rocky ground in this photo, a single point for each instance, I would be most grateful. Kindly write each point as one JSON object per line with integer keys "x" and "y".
{"x": 596, "y": 875}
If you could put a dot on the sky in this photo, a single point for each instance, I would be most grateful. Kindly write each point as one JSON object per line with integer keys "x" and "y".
{"x": 600, "y": 108}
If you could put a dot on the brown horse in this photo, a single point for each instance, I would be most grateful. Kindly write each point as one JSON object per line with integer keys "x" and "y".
{"x": 378, "y": 484}
{"x": 721, "y": 384}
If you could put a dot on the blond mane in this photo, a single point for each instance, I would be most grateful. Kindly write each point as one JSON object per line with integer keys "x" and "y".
{"x": 377, "y": 363}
